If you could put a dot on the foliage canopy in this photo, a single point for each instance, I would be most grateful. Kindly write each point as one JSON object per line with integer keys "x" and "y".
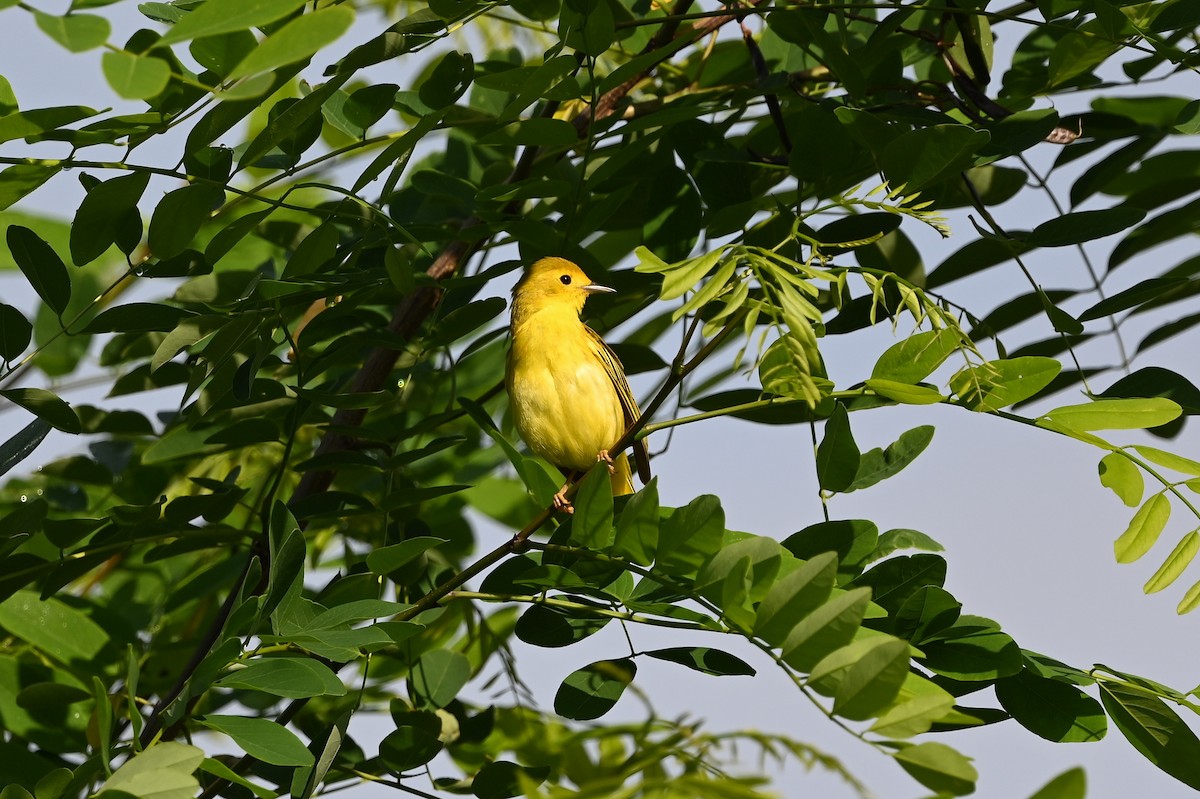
{"x": 320, "y": 205}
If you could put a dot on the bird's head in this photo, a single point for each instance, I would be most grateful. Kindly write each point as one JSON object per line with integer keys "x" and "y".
{"x": 554, "y": 281}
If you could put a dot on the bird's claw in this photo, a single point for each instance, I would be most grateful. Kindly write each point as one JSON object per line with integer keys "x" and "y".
{"x": 561, "y": 502}
{"x": 603, "y": 457}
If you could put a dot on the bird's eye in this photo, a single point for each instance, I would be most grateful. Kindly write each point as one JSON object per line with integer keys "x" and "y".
{"x": 566, "y": 280}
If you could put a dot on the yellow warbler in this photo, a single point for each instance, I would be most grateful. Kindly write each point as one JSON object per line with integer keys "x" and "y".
{"x": 569, "y": 396}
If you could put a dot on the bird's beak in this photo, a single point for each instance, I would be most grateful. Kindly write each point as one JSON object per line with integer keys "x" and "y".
{"x": 593, "y": 288}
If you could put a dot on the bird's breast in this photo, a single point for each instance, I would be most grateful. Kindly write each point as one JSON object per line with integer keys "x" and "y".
{"x": 563, "y": 401}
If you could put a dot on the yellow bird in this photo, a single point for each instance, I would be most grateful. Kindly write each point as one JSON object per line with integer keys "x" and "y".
{"x": 569, "y": 396}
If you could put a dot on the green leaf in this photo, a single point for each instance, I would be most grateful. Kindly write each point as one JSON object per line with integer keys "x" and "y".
{"x": 740, "y": 574}
{"x": 1179, "y": 559}
{"x": 829, "y": 627}
{"x": 283, "y": 124}
{"x": 637, "y": 530}
{"x": 1081, "y": 226}
{"x": 1162, "y": 228}
{"x": 26, "y": 124}
{"x": 135, "y": 77}
{"x": 871, "y": 681}
{"x": 930, "y": 154}
{"x": 1116, "y": 414}
{"x": 939, "y": 768}
{"x": 793, "y": 597}
{"x": 46, "y": 406}
{"x": 1190, "y": 601}
{"x": 439, "y": 675}
{"x": 1144, "y": 529}
{"x": 346, "y": 645}
{"x": 218, "y": 769}
{"x": 291, "y": 677}
{"x": 20, "y": 180}
{"x": 41, "y": 266}
{"x": 1071, "y": 784}
{"x": 786, "y": 368}
{"x": 162, "y": 771}
{"x": 297, "y": 40}
{"x": 386, "y": 560}
{"x": 893, "y": 540}
{"x": 50, "y": 696}
{"x": 592, "y": 522}
{"x": 704, "y": 659}
{"x": 355, "y": 610}
{"x": 222, "y": 52}
{"x": 1180, "y": 15}
{"x": 904, "y": 393}
{"x": 54, "y": 784}
{"x": 447, "y": 81}
{"x": 974, "y": 649}
{"x": 414, "y": 742}
{"x": 998, "y": 384}
{"x": 178, "y": 218}
{"x": 1123, "y": 477}
{"x": 690, "y": 536}
{"x": 917, "y": 706}
{"x": 138, "y": 317}
{"x": 1153, "y": 381}
{"x": 1052, "y": 709}
{"x": 262, "y": 739}
{"x": 1144, "y": 292}
{"x": 366, "y": 106}
{"x": 587, "y": 26}
{"x": 916, "y": 357}
{"x": 878, "y": 465}
{"x": 288, "y": 550}
{"x": 592, "y": 691}
{"x": 501, "y": 779}
{"x": 1188, "y": 121}
{"x": 927, "y": 611}
{"x": 1060, "y": 320}
{"x": 22, "y": 445}
{"x": 685, "y": 276}
{"x": 1168, "y": 460}
{"x": 893, "y": 581}
{"x": 15, "y": 332}
{"x": 1075, "y": 54}
{"x": 852, "y": 539}
{"x": 552, "y": 626}
{"x": 1154, "y": 729}
{"x": 104, "y": 210}
{"x": 76, "y": 32}
{"x": 837, "y": 455}
{"x": 226, "y": 16}
{"x": 57, "y": 629}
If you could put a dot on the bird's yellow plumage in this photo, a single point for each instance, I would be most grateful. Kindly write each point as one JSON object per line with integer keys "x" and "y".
{"x": 569, "y": 396}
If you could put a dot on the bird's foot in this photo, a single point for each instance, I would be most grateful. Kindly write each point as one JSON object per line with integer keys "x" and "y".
{"x": 603, "y": 456}
{"x": 561, "y": 502}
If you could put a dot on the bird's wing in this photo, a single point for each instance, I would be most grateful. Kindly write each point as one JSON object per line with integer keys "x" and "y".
{"x": 616, "y": 373}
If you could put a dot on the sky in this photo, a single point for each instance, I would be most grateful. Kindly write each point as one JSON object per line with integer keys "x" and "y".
{"x": 1027, "y": 527}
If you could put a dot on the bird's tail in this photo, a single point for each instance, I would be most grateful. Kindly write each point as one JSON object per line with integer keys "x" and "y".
{"x": 622, "y": 477}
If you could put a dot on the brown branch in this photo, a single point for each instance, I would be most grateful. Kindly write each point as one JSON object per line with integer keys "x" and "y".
{"x": 203, "y": 647}
{"x": 407, "y": 318}
{"x": 761, "y": 71}
{"x": 607, "y": 103}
